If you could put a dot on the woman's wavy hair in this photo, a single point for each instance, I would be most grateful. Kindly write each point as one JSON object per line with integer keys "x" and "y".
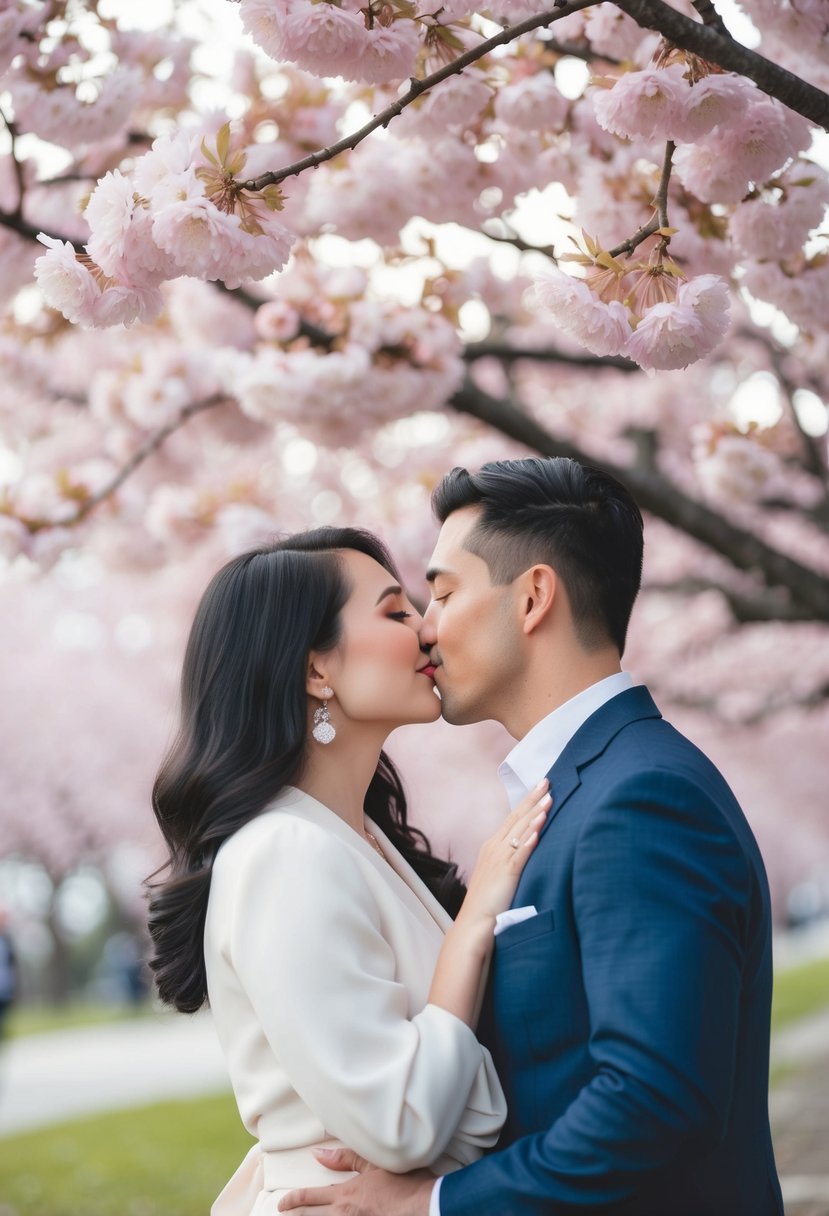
{"x": 243, "y": 735}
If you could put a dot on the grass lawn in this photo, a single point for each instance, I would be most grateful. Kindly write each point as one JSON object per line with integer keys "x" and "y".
{"x": 40, "y": 1019}
{"x": 172, "y": 1159}
{"x": 800, "y": 991}
{"x": 166, "y": 1160}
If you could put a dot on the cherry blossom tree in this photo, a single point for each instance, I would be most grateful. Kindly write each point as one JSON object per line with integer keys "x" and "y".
{"x": 281, "y": 262}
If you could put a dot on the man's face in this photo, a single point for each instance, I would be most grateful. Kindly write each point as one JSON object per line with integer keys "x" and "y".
{"x": 470, "y": 628}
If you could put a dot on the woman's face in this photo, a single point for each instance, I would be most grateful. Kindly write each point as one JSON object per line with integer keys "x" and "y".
{"x": 375, "y": 671}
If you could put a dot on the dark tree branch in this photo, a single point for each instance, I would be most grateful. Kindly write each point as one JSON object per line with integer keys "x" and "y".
{"x": 809, "y": 591}
{"x": 710, "y": 44}
{"x": 773, "y": 705}
{"x": 30, "y": 232}
{"x": 417, "y": 89}
{"x": 812, "y": 452}
{"x": 660, "y": 202}
{"x": 18, "y": 167}
{"x": 511, "y": 354}
{"x": 150, "y": 445}
{"x": 578, "y": 50}
{"x": 710, "y": 16}
{"x": 520, "y": 244}
{"x": 761, "y": 605}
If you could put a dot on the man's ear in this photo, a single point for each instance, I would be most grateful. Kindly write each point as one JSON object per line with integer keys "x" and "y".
{"x": 317, "y": 676}
{"x": 538, "y": 588}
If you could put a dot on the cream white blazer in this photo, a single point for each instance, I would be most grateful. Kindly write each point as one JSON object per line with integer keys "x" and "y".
{"x": 320, "y": 957}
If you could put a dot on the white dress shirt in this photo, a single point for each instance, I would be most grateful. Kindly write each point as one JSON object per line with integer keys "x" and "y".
{"x": 535, "y": 754}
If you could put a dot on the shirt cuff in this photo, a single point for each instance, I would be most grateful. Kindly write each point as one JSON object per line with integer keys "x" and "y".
{"x": 434, "y": 1201}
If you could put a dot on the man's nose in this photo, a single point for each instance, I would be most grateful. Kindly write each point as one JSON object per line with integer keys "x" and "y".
{"x": 428, "y": 632}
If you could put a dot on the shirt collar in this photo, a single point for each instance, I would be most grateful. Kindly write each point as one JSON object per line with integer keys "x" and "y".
{"x": 538, "y": 751}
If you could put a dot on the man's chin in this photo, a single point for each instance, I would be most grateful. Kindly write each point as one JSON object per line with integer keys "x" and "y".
{"x": 455, "y": 714}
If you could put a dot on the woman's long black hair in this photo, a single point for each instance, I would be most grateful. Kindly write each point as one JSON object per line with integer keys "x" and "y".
{"x": 243, "y": 735}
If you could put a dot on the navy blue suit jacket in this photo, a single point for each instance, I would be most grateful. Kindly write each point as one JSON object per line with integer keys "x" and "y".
{"x": 629, "y": 1020}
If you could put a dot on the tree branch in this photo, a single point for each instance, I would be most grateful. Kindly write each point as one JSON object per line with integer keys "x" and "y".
{"x": 417, "y": 89}
{"x": 150, "y": 445}
{"x": 579, "y": 50}
{"x": 808, "y": 590}
{"x": 760, "y": 606}
{"x": 774, "y": 704}
{"x": 710, "y": 16}
{"x": 30, "y": 232}
{"x": 511, "y": 354}
{"x": 520, "y": 244}
{"x": 707, "y": 42}
{"x": 18, "y": 168}
{"x": 660, "y": 202}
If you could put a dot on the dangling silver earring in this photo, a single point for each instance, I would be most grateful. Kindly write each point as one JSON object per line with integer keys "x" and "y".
{"x": 324, "y": 731}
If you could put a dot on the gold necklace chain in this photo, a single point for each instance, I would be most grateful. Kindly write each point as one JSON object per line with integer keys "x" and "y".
{"x": 375, "y": 843}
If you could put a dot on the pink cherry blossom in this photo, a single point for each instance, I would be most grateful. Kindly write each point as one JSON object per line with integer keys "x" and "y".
{"x": 668, "y": 337}
{"x": 456, "y": 103}
{"x": 389, "y": 52}
{"x": 12, "y": 22}
{"x": 775, "y": 224}
{"x": 87, "y": 298}
{"x": 277, "y": 321}
{"x": 61, "y": 117}
{"x": 707, "y": 297}
{"x": 800, "y": 293}
{"x": 532, "y": 104}
{"x": 121, "y": 241}
{"x": 711, "y": 102}
{"x": 649, "y": 103}
{"x": 67, "y": 285}
{"x": 603, "y": 328}
{"x": 720, "y": 167}
{"x": 736, "y": 468}
{"x": 321, "y": 38}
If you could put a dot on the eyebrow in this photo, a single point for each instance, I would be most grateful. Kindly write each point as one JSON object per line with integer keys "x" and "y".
{"x": 395, "y": 590}
{"x": 434, "y": 571}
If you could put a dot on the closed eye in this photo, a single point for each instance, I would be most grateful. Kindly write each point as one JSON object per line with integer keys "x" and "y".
{"x": 400, "y": 616}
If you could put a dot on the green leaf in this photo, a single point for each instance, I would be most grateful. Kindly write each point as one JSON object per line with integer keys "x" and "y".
{"x": 207, "y": 154}
{"x": 223, "y": 143}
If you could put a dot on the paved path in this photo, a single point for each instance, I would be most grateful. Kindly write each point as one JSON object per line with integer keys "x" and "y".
{"x": 49, "y": 1078}
{"x": 799, "y": 1108}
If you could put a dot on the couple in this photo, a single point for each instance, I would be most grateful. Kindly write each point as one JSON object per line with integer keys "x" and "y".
{"x": 601, "y": 1046}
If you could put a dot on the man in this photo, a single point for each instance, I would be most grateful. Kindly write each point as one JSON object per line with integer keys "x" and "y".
{"x": 628, "y": 1013}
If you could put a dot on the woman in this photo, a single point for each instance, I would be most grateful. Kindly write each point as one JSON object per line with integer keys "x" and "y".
{"x": 299, "y": 901}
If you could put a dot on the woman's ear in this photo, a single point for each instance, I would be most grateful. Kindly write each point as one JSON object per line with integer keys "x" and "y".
{"x": 539, "y": 586}
{"x": 317, "y": 677}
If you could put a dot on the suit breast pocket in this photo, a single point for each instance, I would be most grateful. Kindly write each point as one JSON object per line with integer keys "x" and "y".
{"x": 526, "y": 931}
{"x": 536, "y": 978}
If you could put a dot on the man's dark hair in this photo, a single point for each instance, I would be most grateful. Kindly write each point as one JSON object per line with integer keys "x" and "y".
{"x": 577, "y": 519}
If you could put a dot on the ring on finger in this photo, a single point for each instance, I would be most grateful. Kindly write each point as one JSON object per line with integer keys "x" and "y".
{"x": 515, "y": 842}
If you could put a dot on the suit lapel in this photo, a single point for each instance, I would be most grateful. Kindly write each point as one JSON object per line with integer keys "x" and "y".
{"x": 591, "y": 739}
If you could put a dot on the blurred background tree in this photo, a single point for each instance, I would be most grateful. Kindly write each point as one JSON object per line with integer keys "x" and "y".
{"x": 605, "y": 238}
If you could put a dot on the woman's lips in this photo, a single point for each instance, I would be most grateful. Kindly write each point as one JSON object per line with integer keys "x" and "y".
{"x": 429, "y": 670}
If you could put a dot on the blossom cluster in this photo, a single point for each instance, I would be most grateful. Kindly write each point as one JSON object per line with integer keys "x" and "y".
{"x": 337, "y": 39}
{"x": 683, "y": 326}
{"x": 372, "y": 361}
{"x": 180, "y": 213}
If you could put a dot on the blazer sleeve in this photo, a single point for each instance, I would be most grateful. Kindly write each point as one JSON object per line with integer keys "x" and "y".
{"x": 305, "y": 939}
{"x": 660, "y": 890}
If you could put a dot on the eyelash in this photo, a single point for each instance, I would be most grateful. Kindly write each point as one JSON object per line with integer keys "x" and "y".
{"x": 400, "y": 616}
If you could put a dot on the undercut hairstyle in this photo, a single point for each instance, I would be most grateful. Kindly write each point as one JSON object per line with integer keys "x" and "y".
{"x": 243, "y": 736}
{"x": 556, "y": 512}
